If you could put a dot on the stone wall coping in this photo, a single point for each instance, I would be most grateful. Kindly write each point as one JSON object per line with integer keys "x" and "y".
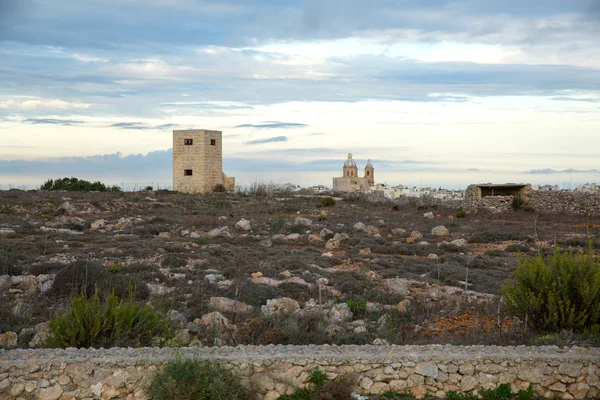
{"x": 290, "y": 354}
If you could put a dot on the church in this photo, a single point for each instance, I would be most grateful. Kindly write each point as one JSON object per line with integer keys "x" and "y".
{"x": 350, "y": 181}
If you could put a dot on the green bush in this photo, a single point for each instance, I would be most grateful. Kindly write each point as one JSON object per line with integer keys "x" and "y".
{"x": 93, "y": 323}
{"x": 78, "y": 185}
{"x": 319, "y": 388}
{"x": 461, "y": 213}
{"x": 196, "y": 380}
{"x": 326, "y": 202}
{"x": 560, "y": 291}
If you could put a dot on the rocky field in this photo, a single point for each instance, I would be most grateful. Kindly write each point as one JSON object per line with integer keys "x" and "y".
{"x": 273, "y": 269}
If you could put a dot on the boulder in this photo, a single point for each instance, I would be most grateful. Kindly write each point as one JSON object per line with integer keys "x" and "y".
{"x": 459, "y": 242}
{"x": 224, "y": 304}
{"x": 340, "y": 313}
{"x": 8, "y": 340}
{"x": 332, "y": 244}
{"x": 302, "y": 221}
{"x": 440, "y": 231}
{"x": 98, "y": 224}
{"x": 429, "y": 215}
{"x": 416, "y": 235}
{"x": 372, "y": 230}
{"x": 326, "y": 233}
{"x": 292, "y": 237}
{"x": 397, "y": 286}
{"x": 280, "y": 307}
{"x": 359, "y": 226}
{"x": 243, "y": 224}
{"x": 341, "y": 237}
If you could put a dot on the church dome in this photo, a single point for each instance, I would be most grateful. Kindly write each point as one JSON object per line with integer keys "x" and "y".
{"x": 349, "y": 162}
{"x": 369, "y": 163}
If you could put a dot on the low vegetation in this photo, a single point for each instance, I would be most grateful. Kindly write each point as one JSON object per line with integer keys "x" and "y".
{"x": 188, "y": 379}
{"x": 114, "y": 322}
{"x": 557, "y": 292}
{"x": 318, "y": 387}
{"x": 78, "y": 185}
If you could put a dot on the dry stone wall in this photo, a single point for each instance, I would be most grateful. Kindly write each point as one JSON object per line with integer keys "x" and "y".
{"x": 579, "y": 203}
{"x": 562, "y": 373}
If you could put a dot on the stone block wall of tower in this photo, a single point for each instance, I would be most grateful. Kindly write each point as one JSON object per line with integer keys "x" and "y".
{"x": 198, "y": 161}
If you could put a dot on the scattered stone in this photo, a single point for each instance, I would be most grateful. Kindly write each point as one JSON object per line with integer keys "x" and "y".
{"x": 98, "y": 224}
{"x": 280, "y": 307}
{"x": 433, "y": 256}
{"x": 397, "y": 286}
{"x": 416, "y": 235}
{"x": 359, "y": 226}
{"x": 176, "y": 318}
{"x": 302, "y": 221}
{"x": 214, "y": 278}
{"x": 459, "y": 242}
{"x": 292, "y": 237}
{"x": 332, "y": 244}
{"x": 398, "y": 231}
{"x": 372, "y": 230}
{"x": 326, "y": 234}
{"x": 341, "y": 237}
{"x": 164, "y": 235}
{"x": 243, "y": 224}
{"x": 440, "y": 231}
{"x": 224, "y": 304}
{"x": 255, "y": 275}
{"x": 365, "y": 251}
{"x": 9, "y": 340}
{"x": 429, "y": 215}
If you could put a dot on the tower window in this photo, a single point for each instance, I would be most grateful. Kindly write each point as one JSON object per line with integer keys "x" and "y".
{"x": 213, "y": 142}
{"x": 188, "y": 142}
{"x": 368, "y": 173}
{"x": 187, "y": 172}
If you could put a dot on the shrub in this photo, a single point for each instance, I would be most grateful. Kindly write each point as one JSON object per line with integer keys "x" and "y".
{"x": 517, "y": 248}
{"x": 461, "y": 213}
{"x": 319, "y": 388}
{"x": 195, "y": 380}
{"x": 74, "y": 184}
{"x": 326, "y": 202}
{"x": 92, "y": 323}
{"x": 149, "y": 188}
{"x": 560, "y": 291}
{"x": 219, "y": 188}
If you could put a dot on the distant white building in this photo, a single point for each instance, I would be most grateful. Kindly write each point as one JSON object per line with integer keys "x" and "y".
{"x": 588, "y": 188}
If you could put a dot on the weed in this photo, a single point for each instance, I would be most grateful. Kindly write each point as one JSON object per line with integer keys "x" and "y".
{"x": 197, "y": 379}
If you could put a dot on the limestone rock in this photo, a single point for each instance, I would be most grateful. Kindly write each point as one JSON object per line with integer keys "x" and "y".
{"x": 340, "y": 313}
{"x": 427, "y": 369}
{"x": 341, "y": 237}
{"x": 416, "y": 235}
{"x": 302, "y": 221}
{"x": 326, "y": 233}
{"x": 459, "y": 242}
{"x": 440, "y": 231}
{"x": 50, "y": 393}
{"x": 224, "y": 304}
{"x": 98, "y": 224}
{"x": 280, "y": 307}
{"x": 572, "y": 370}
{"x": 176, "y": 318}
{"x": 397, "y": 286}
{"x": 359, "y": 226}
{"x": 398, "y": 231}
{"x": 372, "y": 230}
{"x": 429, "y": 215}
{"x": 243, "y": 224}
{"x": 292, "y": 237}
{"x": 332, "y": 244}
{"x": 8, "y": 340}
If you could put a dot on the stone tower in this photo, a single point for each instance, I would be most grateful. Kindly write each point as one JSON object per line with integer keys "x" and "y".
{"x": 370, "y": 173}
{"x": 350, "y": 168}
{"x": 198, "y": 162}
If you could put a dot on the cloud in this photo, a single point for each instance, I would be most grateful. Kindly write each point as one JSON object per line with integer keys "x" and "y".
{"x": 51, "y": 121}
{"x": 268, "y": 140}
{"x": 42, "y": 103}
{"x": 140, "y": 126}
{"x": 548, "y": 171}
{"x": 473, "y": 170}
{"x": 272, "y": 125}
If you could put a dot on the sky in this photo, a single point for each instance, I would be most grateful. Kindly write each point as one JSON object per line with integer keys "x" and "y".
{"x": 436, "y": 93}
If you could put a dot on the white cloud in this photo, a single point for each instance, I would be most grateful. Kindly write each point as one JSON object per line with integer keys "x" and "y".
{"x": 42, "y": 104}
